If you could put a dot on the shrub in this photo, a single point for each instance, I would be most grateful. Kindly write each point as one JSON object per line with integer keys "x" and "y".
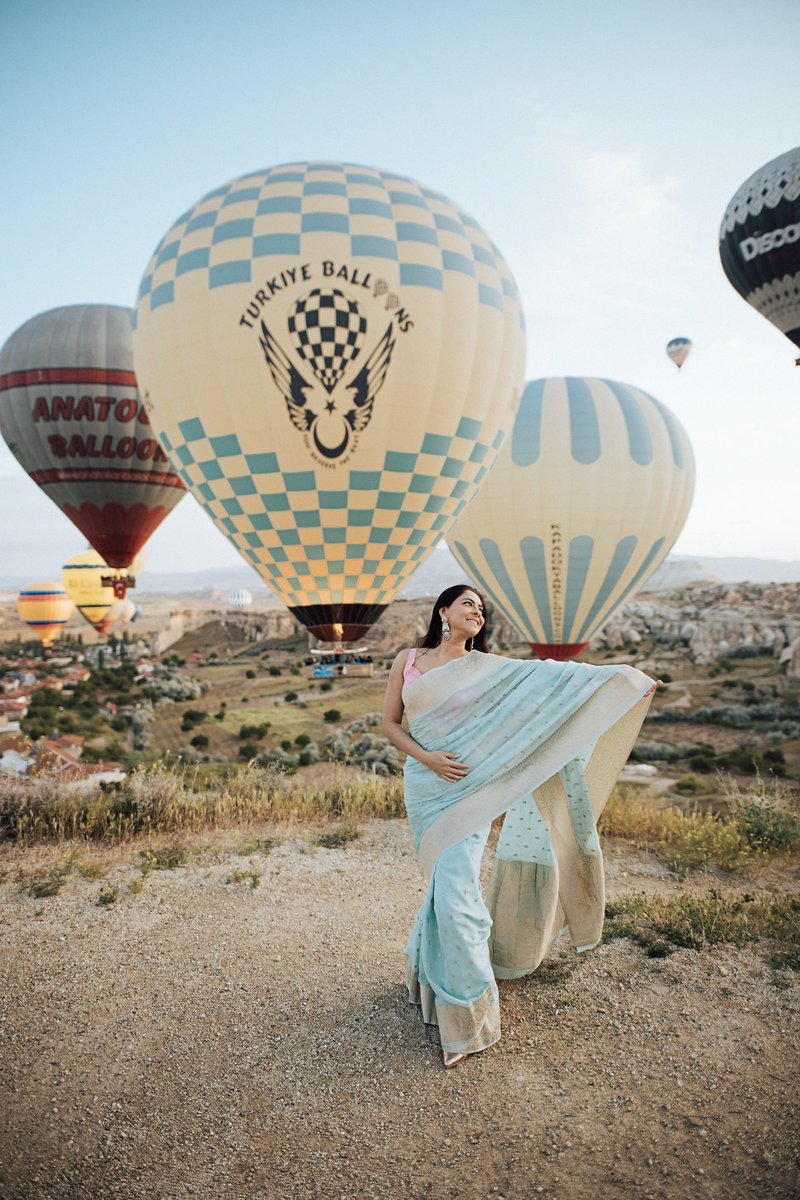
{"x": 302, "y": 739}
{"x": 290, "y": 696}
{"x": 253, "y": 731}
{"x": 248, "y": 750}
{"x": 199, "y": 741}
{"x": 332, "y": 715}
{"x": 768, "y": 816}
{"x": 249, "y": 674}
{"x": 274, "y": 671}
{"x": 325, "y": 686}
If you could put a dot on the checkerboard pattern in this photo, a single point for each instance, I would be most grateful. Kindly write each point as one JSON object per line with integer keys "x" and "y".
{"x": 322, "y": 533}
{"x": 363, "y": 542}
{"x": 231, "y": 235}
{"x": 328, "y": 331}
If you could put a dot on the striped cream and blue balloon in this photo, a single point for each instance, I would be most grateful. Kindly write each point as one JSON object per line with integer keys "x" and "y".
{"x": 587, "y": 497}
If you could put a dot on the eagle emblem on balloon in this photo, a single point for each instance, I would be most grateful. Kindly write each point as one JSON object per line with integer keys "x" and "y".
{"x": 328, "y": 333}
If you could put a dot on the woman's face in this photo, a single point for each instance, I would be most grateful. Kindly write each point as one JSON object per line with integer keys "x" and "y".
{"x": 465, "y": 614}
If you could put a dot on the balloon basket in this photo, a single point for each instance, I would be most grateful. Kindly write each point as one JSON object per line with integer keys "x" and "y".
{"x": 560, "y": 652}
{"x": 120, "y": 584}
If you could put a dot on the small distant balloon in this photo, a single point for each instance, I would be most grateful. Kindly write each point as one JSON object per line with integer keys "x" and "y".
{"x": 45, "y": 608}
{"x": 678, "y": 350}
{"x": 759, "y": 242}
{"x": 83, "y": 576}
{"x": 125, "y": 611}
{"x": 240, "y": 599}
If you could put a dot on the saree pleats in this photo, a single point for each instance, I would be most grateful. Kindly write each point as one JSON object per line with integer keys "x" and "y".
{"x": 448, "y": 965}
{"x": 545, "y": 742}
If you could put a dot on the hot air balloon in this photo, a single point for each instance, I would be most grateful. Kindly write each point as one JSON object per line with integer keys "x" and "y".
{"x": 331, "y": 356}
{"x": 588, "y": 495}
{"x": 678, "y": 350}
{"x": 45, "y": 608}
{"x": 71, "y": 415}
{"x": 125, "y": 611}
{"x": 83, "y": 576}
{"x": 759, "y": 242}
{"x": 240, "y": 599}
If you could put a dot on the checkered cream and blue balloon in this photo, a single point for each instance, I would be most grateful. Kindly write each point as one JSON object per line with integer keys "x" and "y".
{"x": 332, "y": 355}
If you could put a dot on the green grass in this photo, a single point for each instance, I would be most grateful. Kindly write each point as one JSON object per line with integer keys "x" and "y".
{"x": 167, "y": 858}
{"x": 661, "y": 925}
{"x": 760, "y": 820}
{"x": 238, "y": 875}
{"x": 337, "y": 838}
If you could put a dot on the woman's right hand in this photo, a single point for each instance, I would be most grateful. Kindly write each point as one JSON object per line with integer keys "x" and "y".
{"x": 445, "y": 765}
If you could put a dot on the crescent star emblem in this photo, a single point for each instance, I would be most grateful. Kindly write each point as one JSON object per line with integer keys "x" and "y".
{"x": 295, "y": 388}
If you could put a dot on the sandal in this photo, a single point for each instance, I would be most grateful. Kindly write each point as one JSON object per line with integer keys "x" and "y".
{"x": 452, "y": 1060}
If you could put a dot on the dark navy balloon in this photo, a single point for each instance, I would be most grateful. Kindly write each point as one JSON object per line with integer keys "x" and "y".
{"x": 759, "y": 242}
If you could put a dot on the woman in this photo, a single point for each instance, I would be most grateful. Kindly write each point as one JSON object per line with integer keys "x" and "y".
{"x": 542, "y": 742}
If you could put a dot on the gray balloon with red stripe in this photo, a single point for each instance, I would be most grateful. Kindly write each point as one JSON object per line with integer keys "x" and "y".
{"x": 72, "y": 416}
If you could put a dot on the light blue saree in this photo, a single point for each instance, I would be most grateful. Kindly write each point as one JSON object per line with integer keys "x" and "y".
{"x": 545, "y": 742}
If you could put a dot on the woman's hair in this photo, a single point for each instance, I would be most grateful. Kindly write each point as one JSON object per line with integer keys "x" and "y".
{"x": 433, "y": 636}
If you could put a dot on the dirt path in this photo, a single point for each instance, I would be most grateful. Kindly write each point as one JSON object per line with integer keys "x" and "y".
{"x": 204, "y": 1039}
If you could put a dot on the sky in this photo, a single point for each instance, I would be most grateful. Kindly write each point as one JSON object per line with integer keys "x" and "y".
{"x": 598, "y": 144}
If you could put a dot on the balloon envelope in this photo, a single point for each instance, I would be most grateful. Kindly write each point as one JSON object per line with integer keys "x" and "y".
{"x": 240, "y": 598}
{"x": 71, "y": 415}
{"x": 678, "y": 350}
{"x": 45, "y": 608}
{"x": 330, "y": 354}
{"x": 759, "y": 242}
{"x": 83, "y": 576}
{"x": 588, "y": 495}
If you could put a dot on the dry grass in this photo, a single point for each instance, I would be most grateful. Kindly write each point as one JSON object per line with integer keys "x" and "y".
{"x": 759, "y": 821}
{"x": 165, "y": 799}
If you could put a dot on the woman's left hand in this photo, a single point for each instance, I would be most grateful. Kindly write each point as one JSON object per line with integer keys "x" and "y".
{"x": 656, "y": 685}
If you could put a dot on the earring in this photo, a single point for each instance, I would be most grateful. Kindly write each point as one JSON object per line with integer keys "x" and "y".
{"x": 445, "y": 629}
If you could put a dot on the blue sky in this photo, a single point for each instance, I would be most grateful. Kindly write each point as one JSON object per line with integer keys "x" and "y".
{"x": 597, "y": 143}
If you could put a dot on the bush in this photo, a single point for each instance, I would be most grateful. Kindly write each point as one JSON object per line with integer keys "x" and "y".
{"x": 248, "y": 750}
{"x": 767, "y": 816}
{"x": 253, "y": 731}
{"x": 302, "y": 739}
{"x": 274, "y": 671}
{"x": 249, "y": 674}
{"x": 199, "y": 741}
{"x": 325, "y": 686}
{"x": 290, "y": 696}
{"x": 332, "y": 716}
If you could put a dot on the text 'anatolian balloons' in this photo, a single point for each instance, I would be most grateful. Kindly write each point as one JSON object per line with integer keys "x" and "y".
{"x": 589, "y": 493}
{"x": 331, "y": 355}
{"x": 71, "y": 415}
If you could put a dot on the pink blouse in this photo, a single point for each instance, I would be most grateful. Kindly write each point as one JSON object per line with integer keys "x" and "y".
{"x": 410, "y": 670}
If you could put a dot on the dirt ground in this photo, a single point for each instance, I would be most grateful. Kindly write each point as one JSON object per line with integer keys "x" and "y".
{"x": 204, "y": 1038}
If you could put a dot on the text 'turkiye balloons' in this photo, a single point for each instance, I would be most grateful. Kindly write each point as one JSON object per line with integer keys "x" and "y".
{"x": 678, "y": 350}
{"x": 83, "y": 576}
{"x": 71, "y": 415}
{"x": 45, "y": 608}
{"x": 759, "y": 242}
{"x": 330, "y": 355}
{"x": 588, "y": 495}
